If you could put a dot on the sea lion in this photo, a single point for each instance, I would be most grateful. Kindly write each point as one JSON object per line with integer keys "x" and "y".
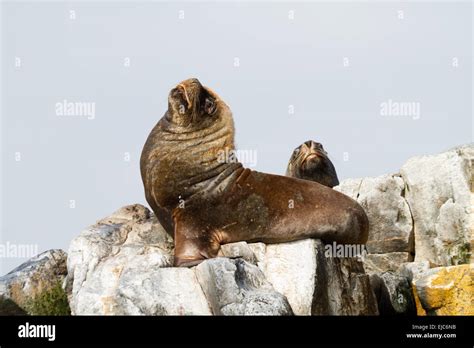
{"x": 310, "y": 161}
{"x": 203, "y": 201}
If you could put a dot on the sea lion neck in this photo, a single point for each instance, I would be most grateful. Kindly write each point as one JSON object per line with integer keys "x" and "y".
{"x": 192, "y": 156}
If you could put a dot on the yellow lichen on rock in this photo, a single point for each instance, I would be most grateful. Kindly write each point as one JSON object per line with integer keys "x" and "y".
{"x": 445, "y": 291}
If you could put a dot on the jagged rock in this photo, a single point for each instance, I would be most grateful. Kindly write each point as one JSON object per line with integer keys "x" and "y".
{"x": 165, "y": 291}
{"x": 413, "y": 270}
{"x": 29, "y": 280}
{"x": 236, "y": 287}
{"x": 378, "y": 263}
{"x": 130, "y": 241}
{"x": 318, "y": 285}
{"x": 445, "y": 291}
{"x": 239, "y": 249}
{"x": 439, "y": 194}
{"x": 122, "y": 265}
{"x": 394, "y": 294}
{"x": 291, "y": 268}
{"x": 259, "y": 250}
{"x": 390, "y": 221}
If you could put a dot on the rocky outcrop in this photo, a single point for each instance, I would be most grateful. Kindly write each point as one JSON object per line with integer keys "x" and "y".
{"x": 438, "y": 190}
{"x": 390, "y": 220}
{"x": 106, "y": 256}
{"x": 394, "y": 293}
{"x": 318, "y": 284}
{"x": 123, "y": 265}
{"x": 379, "y": 263}
{"x": 23, "y": 287}
{"x": 236, "y": 287}
{"x": 423, "y": 213}
{"x": 445, "y": 291}
{"x": 419, "y": 250}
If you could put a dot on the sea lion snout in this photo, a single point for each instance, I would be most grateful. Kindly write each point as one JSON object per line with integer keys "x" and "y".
{"x": 187, "y": 91}
{"x": 313, "y": 149}
{"x": 190, "y": 102}
{"x": 310, "y": 161}
{"x": 309, "y": 154}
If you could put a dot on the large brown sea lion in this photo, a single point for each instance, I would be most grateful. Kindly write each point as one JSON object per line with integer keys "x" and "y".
{"x": 310, "y": 161}
{"x": 204, "y": 202}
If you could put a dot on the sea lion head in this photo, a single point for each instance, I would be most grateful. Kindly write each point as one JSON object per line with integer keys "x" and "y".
{"x": 192, "y": 104}
{"x": 188, "y": 147}
{"x": 306, "y": 158}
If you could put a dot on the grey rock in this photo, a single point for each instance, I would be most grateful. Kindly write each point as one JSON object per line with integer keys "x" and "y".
{"x": 236, "y": 287}
{"x": 378, "y": 263}
{"x": 318, "y": 285}
{"x": 390, "y": 221}
{"x": 394, "y": 294}
{"x": 439, "y": 194}
{"x": 236, "y": 250}
{"x": 130, "y": 241}
{"x": 40, "y": 273}
{"x": 165, "y": 291}
{"x": 413, "y": 270}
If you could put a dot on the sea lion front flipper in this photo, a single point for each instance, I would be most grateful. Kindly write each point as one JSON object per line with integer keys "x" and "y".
{"x": 192, "y": 242}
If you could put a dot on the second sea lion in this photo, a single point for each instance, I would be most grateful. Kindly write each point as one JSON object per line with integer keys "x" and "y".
{"x": 310, "y": 161}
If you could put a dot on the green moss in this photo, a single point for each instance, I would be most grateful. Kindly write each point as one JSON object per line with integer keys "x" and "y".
{"x": 49, "y": 302}
{"x": 463, "y": 255}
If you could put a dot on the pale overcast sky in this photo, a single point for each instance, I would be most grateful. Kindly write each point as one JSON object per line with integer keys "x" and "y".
{"x": 290, "y": 72}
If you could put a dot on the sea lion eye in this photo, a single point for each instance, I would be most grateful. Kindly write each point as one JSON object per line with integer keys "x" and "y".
{"x": 296, "y": 151}
{"x": 209, "y": 105}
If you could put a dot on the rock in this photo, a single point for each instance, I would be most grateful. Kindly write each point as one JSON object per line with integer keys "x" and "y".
{"x": 318, "y": 285}
{"x": 439, "y": 194}
{"x": 394, "y": 294}
{"x": 236, "y": 287}
{"x": 8, "y": 307}
{"x": 259, "y": 250}
{"x": 239, "y": 249}
{"x": 130, "y": 241}
{"x": 390, "y": 221}
{"x": 20, "y": 288}
{"x": 413, "y": 270}
{"x": 291, "y": 268}
{"x": 445, "y": 291}
{"x": 378, "y": 263}
{"x": 122, "y": 266}
{"x": 165, "y": 291}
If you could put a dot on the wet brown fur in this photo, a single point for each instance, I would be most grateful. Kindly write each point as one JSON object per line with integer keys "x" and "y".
{"x": 203, "y": 203}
